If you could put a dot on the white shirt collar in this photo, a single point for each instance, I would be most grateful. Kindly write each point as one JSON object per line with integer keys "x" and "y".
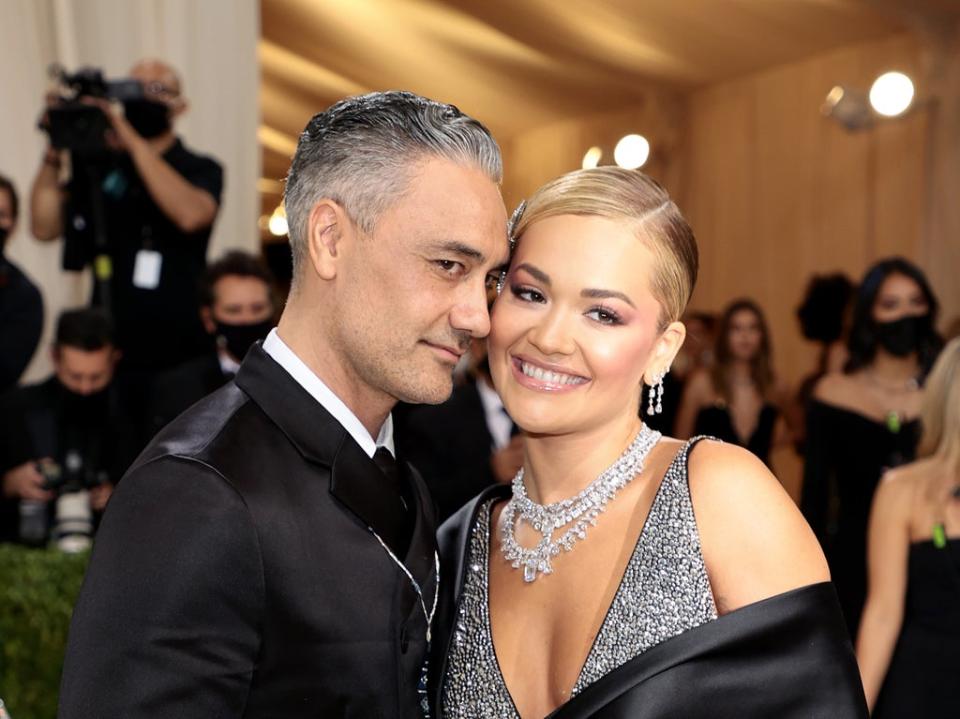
{"x": 228, "y": 365}
{"x": 306, "y": 378}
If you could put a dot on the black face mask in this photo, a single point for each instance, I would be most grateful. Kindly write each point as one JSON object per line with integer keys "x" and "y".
{"x": 903, "y": 336}
{"x": 84, "y": 408}
{"x": 238, "y": 339}
{"x": 148, "y": 117}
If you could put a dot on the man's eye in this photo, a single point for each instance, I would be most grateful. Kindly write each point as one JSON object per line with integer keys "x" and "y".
{"x": 450, "y": 267}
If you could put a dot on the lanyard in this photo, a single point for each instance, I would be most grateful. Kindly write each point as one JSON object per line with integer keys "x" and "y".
{"x": 428, "y": 616}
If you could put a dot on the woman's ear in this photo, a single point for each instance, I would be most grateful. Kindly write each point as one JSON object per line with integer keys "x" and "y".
{"x": 665, "y": 349}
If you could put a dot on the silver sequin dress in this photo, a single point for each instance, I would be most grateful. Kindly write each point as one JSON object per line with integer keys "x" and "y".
{"x": 664, "y": 592}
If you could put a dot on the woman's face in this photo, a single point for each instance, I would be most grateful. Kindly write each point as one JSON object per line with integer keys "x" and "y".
{"x": 899, "y": 296}
{"x": 745, "y": 335}
{"x": 576, "y": 326}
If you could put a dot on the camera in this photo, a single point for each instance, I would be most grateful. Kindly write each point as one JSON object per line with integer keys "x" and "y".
{"x": 78, "y": 126}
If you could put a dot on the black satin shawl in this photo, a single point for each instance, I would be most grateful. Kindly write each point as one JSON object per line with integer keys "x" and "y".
{"x": 787, "y": 657}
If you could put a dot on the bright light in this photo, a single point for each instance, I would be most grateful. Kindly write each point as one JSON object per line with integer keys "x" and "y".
{"x": 632, "y": 152}
{"x": 891, "y": 94}
{"x": 592, "y": 158}
{"x": 278, "y": 222}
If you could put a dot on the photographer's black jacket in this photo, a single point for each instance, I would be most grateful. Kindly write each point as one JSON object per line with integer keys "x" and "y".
{"x": 235, "y": 574}
{"x": 156, "y": 328}
{"x": 38, "y": 421}
{"x": 21, "y": 322}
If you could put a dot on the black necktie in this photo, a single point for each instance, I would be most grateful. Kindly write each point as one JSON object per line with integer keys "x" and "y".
{"x": 397, "y": 487}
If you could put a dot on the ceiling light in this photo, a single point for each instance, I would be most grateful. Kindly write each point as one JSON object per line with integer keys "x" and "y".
{"x": 632, "y": 152}
{"x": 592, "y": 158}
{"x": 891, "y": 94}
{"x": 278, "y": 222}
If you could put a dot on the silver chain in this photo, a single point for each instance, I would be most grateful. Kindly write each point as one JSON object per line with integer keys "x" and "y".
{"x": 582, "y": 510}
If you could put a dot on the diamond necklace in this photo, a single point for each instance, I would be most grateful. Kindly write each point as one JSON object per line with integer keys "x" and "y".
{"x": 582, "y": 510}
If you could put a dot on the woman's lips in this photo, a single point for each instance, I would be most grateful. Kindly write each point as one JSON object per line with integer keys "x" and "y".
{"x": 537, "y": 377}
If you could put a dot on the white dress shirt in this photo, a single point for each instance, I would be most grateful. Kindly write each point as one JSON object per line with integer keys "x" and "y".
{"x": 306, "y": 378}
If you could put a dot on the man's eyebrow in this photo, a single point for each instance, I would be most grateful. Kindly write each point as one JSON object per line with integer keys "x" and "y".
{"x": 604, "y": 294}
{"x": 461, "y": 249}
{"x": 537, "y": 273}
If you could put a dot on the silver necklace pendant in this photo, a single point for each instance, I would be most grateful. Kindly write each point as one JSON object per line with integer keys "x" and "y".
{"x": 581, "y": 511}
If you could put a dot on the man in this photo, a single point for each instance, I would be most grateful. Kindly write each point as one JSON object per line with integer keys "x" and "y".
{"x": 154, "y": 202}
{"x": 69, "y": 430}
{"x": 265, "y": 556}
{"x": 21, "y": 305}
{"x": 467, "y": 443}
{"x": 237, "y": 309}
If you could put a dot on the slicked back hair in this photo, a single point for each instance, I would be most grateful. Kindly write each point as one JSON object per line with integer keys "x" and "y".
{"x": 362, "y": 151}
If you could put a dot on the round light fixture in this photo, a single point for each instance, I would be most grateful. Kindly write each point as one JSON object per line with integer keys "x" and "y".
{"x": 891, "y": 94}
{"x": 632, "y": 152}
{"x": 278, "y": 222}
{"x": 592, "y": 158}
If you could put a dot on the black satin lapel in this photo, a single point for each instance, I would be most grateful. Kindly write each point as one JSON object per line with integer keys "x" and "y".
{"x": 776, "y": 628}
{"x": 359, "y": 485}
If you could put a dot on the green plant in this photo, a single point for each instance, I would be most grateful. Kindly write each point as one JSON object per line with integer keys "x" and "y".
{"x": 38, "y": 589}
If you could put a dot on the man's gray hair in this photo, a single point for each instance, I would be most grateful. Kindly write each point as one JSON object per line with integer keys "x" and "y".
{"x": 360, "y": 153}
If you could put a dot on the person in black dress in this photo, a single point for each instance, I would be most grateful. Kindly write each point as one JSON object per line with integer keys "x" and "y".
{"x": 864, "y": 420}
{"x": 909, "y": 642}
{"x": 736, "y": 400}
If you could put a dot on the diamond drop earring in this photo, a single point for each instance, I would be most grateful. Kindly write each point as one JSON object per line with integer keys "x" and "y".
{"x": 656, "y": 393}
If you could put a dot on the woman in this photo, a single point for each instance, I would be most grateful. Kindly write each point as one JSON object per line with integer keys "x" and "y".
{"x": 736, "y": 400}
{"x": 909, "y": 641}
{"x": 864, "y": 420}
{"x": 588, "y": 589}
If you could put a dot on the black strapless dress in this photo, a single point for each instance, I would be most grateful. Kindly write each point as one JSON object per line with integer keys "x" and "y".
{"x": 847, "y": 453}
{"x": 923, "y": 679}
{"x": 715, "y": 421}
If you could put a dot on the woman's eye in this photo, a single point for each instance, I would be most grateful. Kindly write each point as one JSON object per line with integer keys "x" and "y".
{"x": 604, "y": 317}
{"x": 527, "y": 294}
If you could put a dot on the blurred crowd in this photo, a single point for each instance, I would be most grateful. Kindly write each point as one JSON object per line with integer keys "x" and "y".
{"x": 876, "y": 420}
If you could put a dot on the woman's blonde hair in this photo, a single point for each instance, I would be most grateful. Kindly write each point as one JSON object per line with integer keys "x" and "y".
{"x": 630, "y": 196}
{"x": 940, "y": 413}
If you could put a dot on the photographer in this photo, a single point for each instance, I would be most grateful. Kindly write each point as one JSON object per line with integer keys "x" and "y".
{"x": 237, "y": 308}
{"x": 65, "y": 442}
{"x": 21, "y": 306}
{"x": 140, "y": 210}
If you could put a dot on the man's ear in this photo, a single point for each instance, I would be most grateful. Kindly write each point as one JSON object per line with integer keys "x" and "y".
{"x": 206, "y": 317}
{"x": 327, "y": 229}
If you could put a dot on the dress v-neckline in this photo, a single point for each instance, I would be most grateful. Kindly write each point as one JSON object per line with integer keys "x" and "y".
{"x": 488, "y": 624}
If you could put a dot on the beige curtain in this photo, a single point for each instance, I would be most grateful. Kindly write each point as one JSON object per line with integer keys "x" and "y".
{"x": 211, "y": 43}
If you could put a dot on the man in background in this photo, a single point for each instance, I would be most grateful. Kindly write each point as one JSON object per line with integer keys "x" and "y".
{"x": 68, "y": 434}
{"x": 21, "y": 305}
{"x": 237, "y": 308}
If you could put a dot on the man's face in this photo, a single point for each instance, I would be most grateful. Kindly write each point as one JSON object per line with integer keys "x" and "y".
{"x": 82, "y": 371}
{"x": 409, "y": 296}
{"x": 238, "y": 300}
{"x": 7, "y": 220}
{"x": 160, "y": 83}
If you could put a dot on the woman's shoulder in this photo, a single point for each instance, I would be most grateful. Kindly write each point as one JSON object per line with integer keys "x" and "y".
{"x": 835, "y": 387}
{"x": 754, "y": 540}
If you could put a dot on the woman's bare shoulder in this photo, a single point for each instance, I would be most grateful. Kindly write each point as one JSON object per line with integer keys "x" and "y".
{"x": 755, "y": 542}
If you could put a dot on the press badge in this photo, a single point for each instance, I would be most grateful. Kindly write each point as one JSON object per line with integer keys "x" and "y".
{"x": 146, "y": 269}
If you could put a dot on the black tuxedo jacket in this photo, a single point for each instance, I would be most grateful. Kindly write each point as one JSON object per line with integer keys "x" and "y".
{"x": 234, "y": 574}
{"x": 450, "y": 444}
{"x": 787, "y": 657}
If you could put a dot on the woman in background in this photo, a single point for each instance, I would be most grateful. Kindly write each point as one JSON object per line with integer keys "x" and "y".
{"x": 736, "y": 399}
{"x": 909, "y": 641}
{"x": 864, "y": 420}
